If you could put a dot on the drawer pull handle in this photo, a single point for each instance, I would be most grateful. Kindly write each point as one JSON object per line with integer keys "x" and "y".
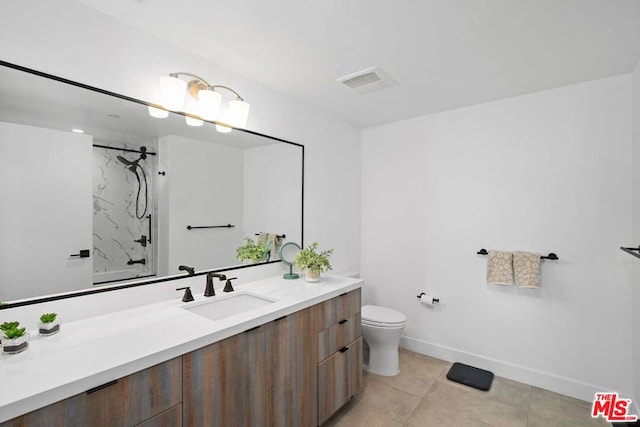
{"x": 343, "y": 321}
{"x": 100, "y": 387}
{"x": 343, "y": 349}
{"x": 253, "y": 329}
{"x": 341, "y": 295}
{"x": 280, "y": 318}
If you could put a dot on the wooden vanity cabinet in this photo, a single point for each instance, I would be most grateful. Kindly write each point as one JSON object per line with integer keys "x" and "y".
{"x": 294, "y": 371}
{"x": 127, "y": 401}
{"x": 339, "y": 352}
{"x": 292, "y": 384}
{"x": 224, "y": 383}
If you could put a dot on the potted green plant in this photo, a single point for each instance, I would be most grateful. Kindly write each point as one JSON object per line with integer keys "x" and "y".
{"x": 253, "y": 252}
{"x": 313, "y": 262}
{"x": 49, "y": 324}
{"x": 14, "y": 338}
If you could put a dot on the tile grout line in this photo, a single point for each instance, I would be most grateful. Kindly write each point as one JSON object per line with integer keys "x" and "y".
{"x": 529, "y": 408}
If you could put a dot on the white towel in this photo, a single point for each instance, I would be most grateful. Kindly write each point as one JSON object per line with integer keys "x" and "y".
{"x": 500, "y": 268}
{"x": 526, "y": 268}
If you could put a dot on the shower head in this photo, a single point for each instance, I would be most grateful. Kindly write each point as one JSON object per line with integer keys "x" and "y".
{"x": 134, "y": 163}
{"x": 125, "y": 161}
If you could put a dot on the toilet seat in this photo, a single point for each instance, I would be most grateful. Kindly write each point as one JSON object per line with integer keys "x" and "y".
{"x": 382, "y": 317}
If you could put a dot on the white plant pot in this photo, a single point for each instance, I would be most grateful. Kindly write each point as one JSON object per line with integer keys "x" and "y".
{"x": 47, "y": 329}
{"x": 311, "y": 277}
{"x": 15, "y": 345}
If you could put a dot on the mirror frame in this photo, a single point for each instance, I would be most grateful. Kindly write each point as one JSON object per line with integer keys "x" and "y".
{"x": 133, "y": 282}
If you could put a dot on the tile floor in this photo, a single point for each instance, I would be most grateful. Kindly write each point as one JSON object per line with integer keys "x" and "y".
{"x": 423, "y": 396}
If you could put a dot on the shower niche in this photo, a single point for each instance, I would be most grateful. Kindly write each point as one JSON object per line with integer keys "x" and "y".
{"x": 124, "y": 209}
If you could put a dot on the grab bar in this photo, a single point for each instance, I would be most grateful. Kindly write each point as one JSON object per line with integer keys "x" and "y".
{"x": 149, "y": 239}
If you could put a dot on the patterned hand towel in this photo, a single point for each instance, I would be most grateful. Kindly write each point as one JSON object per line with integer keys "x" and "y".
{"x": 526, "y": 267}
{"x": 272, "y": 241}
{"x": 500, "y": 268}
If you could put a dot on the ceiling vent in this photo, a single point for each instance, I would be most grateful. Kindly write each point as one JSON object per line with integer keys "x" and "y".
{"x": 368, "y": 80}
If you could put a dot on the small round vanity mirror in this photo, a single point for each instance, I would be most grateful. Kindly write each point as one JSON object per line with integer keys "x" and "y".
{"x": 288, "y": 253}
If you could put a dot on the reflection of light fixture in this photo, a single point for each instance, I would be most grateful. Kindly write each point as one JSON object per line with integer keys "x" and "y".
{"x": 76, "y": 130}
{"x": 201, "y": 99}
{"x": 192, "y": 121}
{"x": 158, "y": 113}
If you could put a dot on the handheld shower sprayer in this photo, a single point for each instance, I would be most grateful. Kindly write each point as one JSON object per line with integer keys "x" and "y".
{"x": 133, "y": 166}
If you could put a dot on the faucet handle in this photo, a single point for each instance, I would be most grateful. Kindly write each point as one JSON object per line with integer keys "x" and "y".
{"x": 188, "y": 297}
{"x": 227, "y": 286}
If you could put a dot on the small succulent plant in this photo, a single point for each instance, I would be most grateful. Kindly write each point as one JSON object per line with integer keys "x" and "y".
{"x": 14, "y": 333}
{"x": 12, "y": 330}
{"x": 6, "y": 326}
{"x": 48, "y": 317}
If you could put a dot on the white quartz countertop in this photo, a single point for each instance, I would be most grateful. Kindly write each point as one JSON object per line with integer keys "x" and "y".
{"x": 91, "y": 352}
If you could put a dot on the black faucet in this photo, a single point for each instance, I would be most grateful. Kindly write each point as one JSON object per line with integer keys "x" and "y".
{"x": 209, "y": 291}
{"x": 142, "y": 261}
{"x": 190, "y": 270}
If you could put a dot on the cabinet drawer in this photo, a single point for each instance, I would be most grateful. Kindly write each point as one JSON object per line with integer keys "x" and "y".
{"x": 338, "y": 308}
{"x": 339, "y": 378}
{"x": 172, "y": 417}
{"x": 337, "y": 336}
{"x": 124, "y": 402}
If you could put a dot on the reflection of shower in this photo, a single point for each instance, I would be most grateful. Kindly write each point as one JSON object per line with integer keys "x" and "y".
{"x": 133, "y": 167}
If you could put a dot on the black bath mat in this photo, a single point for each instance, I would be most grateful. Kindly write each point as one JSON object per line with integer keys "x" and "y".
{"x": 468, "y": 375}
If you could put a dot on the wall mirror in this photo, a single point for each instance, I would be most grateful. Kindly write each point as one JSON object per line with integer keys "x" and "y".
{"x": 96, "y": 192}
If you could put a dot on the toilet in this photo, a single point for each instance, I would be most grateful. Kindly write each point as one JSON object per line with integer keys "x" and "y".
{"x": 381, "y": 329}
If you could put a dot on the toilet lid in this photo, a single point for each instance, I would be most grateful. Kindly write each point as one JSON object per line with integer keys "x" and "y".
{"x": 376, "y": 314}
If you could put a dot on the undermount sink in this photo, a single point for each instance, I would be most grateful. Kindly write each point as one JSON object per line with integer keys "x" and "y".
{"x": 223, "y": 306}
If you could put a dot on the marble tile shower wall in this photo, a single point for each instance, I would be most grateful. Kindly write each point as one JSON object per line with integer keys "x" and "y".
{"x": 116, "y": 225}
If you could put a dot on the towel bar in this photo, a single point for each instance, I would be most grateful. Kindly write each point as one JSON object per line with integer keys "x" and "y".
{"x": 192, "y": 227}
{"x": 550, "y": 256}
{"x": 281, "y": 236}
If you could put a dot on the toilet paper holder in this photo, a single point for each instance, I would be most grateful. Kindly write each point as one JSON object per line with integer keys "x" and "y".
{"x": 433, "y": 300}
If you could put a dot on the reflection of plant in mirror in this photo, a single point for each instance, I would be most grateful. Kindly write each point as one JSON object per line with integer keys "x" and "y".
{"x": 48, "y": 317}
{"x": 252, "y": 251}
{"x": 311, "y": 260}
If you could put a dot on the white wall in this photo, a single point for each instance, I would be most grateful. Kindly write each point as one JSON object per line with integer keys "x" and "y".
{"x": 84, "y": 45}
{"x": 45, "y": 211}
{"x": 272, "y": 191}
{"x": 636, "y": 237}
{"x": 199, "y": 191}
{"x": 545, "y": 172}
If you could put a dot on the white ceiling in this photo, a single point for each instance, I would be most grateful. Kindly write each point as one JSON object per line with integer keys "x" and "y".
{"x": 444, "y": 54}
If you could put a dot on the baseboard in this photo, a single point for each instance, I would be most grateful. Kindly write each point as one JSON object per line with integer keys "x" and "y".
{"x": 545, "y": 380}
